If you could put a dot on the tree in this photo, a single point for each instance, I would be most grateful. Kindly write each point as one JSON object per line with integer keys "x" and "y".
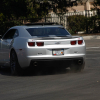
{"x": 96, "y": 3}
{"x": 97, "y": 6}
{"x": 12, "y": 12}
{"x": 60, "y": 6}
{"x": 13, "y": 8}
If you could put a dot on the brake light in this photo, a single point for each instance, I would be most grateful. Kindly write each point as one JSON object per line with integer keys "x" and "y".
{"x": 40, "y": 43}
{"x": 31, "y": 43}
{"x": 73, "y": 42}
{"x": 80, "y": 42}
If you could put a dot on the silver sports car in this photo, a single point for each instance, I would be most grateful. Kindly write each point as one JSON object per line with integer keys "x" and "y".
{"x": 41, "y": 44}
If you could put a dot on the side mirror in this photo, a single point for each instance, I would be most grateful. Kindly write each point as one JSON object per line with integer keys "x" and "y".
{"x": 0, "y": 36}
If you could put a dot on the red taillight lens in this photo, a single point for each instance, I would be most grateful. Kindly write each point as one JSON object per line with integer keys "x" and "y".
{"x": 40, "y": 43}
{"x": 80, "y": 42}
{"x": 31, "y": 43}
{"x": 73, "y": 42}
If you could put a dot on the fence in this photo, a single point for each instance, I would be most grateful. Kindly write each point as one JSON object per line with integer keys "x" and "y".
{"x": 63, "y": 18}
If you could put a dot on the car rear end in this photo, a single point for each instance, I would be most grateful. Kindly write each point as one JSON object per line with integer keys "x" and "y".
{"x": 51, "y": 46}
{"x": 56, "y": 51}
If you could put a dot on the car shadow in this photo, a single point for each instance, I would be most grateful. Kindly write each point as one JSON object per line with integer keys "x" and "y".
{"x": 39, "y": 72}
{"x": 5, "y": 71}
{"x": 36, "y": 72}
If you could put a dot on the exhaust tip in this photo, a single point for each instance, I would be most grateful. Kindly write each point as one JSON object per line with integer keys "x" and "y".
{"x": 80, "y": 62}
{"x": 35, "y": 64}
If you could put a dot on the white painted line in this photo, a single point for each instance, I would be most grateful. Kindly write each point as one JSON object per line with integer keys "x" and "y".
{"x": 93, "y": 58}
{"x": 92, "y": 47}
{"x": 91, "y": 37}
{"x": 94, "y": 54}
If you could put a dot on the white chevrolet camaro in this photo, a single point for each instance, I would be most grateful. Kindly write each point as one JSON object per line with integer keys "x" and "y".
{"x": 41, "y": 44}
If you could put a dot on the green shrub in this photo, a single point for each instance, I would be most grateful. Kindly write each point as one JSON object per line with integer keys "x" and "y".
{"x": 76, "y": 23}
{"x": 5, "y": 25}
{"x": 1, "y": 17}
{"x": 93, "y": 24}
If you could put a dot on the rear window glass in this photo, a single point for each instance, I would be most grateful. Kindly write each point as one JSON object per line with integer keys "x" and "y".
{"x": 55, "y": 31}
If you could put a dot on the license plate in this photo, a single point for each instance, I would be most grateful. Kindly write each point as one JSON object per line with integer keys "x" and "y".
{"x": 58, "y": 52}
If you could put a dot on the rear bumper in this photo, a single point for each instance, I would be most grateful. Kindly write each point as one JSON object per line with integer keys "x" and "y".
{"x": 56, "y": 62}
{"x": 50, "y": 60}
{"x": 26, "y": 59}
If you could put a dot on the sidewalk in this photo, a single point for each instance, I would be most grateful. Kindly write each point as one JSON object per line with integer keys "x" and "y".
{"x": 91, "y": 37}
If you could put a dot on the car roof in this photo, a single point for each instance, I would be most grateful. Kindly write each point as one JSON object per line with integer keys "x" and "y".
{"x": 39, "y": 25}
{"x": 22, "y": 28}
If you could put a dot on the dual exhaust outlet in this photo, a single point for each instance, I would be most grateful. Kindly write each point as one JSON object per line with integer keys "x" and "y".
{"x": 35, "y": 64}
{"x": 79, "y": 62}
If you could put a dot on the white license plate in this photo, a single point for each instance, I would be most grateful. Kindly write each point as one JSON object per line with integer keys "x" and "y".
{"x": 58, "y": 52}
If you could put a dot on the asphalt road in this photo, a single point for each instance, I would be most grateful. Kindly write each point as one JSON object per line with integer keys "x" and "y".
{"x": 60, "y": 85}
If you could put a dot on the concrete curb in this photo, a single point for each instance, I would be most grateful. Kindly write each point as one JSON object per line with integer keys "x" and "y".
{"x": 91, "y": 37}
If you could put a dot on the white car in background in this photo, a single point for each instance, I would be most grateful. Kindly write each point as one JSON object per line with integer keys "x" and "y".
{"x": 41, "y": 44}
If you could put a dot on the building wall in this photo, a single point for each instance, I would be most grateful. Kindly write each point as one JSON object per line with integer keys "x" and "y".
{"x": 76, "y": 8}
{"x": 87, "y": 5}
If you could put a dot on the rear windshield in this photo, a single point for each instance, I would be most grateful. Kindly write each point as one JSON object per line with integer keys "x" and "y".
{"x": 51, "y": 31}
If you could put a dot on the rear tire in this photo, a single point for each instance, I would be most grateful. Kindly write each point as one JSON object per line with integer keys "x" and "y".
{"x": 14, "y": 65}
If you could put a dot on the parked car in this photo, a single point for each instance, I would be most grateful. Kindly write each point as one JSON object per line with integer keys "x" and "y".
{"x": 41, "y": 44}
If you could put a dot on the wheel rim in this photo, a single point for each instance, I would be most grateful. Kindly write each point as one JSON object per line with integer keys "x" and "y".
{"x": 13, "y": 62}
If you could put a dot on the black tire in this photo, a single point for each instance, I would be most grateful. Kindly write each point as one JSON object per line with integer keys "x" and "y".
{"x": 77, "y": 68}
{"x": 14, "y": 65}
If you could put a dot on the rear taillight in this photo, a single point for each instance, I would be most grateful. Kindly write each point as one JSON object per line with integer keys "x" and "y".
{"x": 31, "y": 43}
{"x": 73, "y": 42}
{"x": 80, "y": 42}
{"x": 40, "y": 43}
